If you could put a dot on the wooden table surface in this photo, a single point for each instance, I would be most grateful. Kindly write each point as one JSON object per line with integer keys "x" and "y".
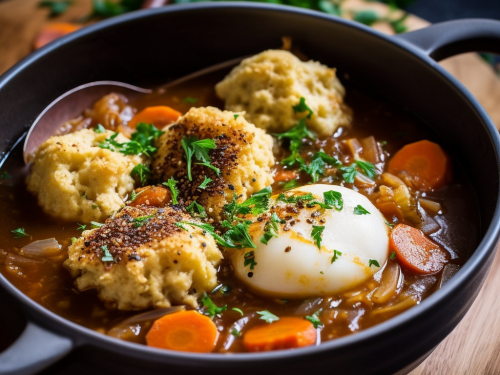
{"x": 473, "y": 348}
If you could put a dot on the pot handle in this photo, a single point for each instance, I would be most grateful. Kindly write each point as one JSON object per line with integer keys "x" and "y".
{"x": 451, "y": 38}
{"x": 33, "y": 351}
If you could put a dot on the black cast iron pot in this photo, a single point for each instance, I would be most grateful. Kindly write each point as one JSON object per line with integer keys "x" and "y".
{"x": 153, "y": 46}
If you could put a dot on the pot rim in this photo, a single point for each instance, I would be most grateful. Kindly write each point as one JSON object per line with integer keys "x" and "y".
{"x": 484, "y": 249}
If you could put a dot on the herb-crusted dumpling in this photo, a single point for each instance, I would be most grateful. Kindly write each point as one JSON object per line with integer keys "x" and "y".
{"x": 74, "y": 179}
{"x": 267, "y": 86}
{"x": 139, "y": 258}
{"x": 242, "y": 154}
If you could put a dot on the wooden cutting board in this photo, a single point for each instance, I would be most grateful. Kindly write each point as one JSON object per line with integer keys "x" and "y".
{"x": 473, "y": 348}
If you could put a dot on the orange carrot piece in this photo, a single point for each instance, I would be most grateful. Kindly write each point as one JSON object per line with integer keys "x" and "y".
{"x": 152, "y": 196}
{"x": 159, "y": 116}
{"x": 286, "y": 333}
{"x": 285, "y": 176}
{"x": 425, "y": 163}
{"x": 185, "y": 331}
{"x": 52, "y": 31}
{"x": 415, "y": 251}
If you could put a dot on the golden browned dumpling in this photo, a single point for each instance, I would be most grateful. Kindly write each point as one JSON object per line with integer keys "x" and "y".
{"x": 266, "y": 86}
{"x": 74, "y": 179}
{"x": 243, "y": 154}
{"x": 139, "y": 258}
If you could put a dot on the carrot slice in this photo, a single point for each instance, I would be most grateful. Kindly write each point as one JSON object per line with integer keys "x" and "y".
{"x": 52, "y": 31}
{"x": 159, "y": 116}
{"x": 415, "y": 251}
{"x": 152, "y": 196}
{"x": 286, "y": 333}
{"x": 185, "y": 331}
{"x": 425, "y": 163}
{"x": 285, "y": 176}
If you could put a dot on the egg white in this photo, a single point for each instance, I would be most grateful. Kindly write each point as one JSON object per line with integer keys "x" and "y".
{"x": 293, "y": 266}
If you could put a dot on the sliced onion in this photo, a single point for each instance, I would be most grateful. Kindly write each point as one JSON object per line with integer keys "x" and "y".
{"x": 431, "y": 207}
{"x": 404, "y": 200}
{"x": 428, "y": 225}
{"x": 371, "y": 150}
{"x": 362, "y": 180}
{"x": 448, "y": 272}
{"x": 309, "y": 305}
{"x": 388, "y": 284}
{"x": 20, "y": 261}
{"x": 129, "y": 324}
{"x": 391, "y": 180}
{"x": 236, "y": 327}
{"x": 43, "y": 248}
{"x": 355, "y": 148}
{"x": 396, "y": 308}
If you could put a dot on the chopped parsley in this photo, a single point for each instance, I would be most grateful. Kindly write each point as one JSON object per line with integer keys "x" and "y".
{"x": 237, "y": 310}
{"x": 256, "y": 204}
{"x": 236, "y": 116}
{"x": 73, "y": 240}
{"x": 271, "y": 228}
{"x": 314, "y": 319}
{"x": 81, "y": 226}
{"x": 190, "y": 100}
{"x": 198, "y": 207}
{"x": 100, "y": 129}
{"x": 231, "y": 239}
{"x": 199, "y": 149}
{"x": 303, "y": 107}
{"x": 141, "y": 220}
{"x": 95, "y": 224}
{"x": 290, "y": 185}
{"x": 146, "y": 135}
{"x": 211, "y": 308}
{"x": 56, "y": 7}
{"x": 267, "y": 316}
{"x": 181, "y": 225}
{"x": 109, "y": 8}
{"x": 360, "y": 210}
{"x": 141, "y": 172}
{"x": 336, "y": 255}
{"x": 316, "y": 167}
{"x": 235, "y": 332}
{"x": 373, "y": 262}
{"x": 249, "y": 258}
{"x": 5, "y": 175}
{"x": 208, "y": 165}
{"x": 393, "y": 255}
{"x": 295, "y": 198}
{"x": 94, "y": 206}
{"x": 316, "y": 234}
{"x": 128, "y": 148}
{"x": 334, "y": 198}
{"x": 205, "y": 183}
{"x": 389, "y": 224}
{"x": 172, "y": 185}
{"x": 351, "y": 171}
{"x": 295, "y": 135}
{"x": 107, "y": 257}
{"x": 20, "y": 233}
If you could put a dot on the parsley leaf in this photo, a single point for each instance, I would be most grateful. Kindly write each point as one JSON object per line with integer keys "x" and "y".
{"x": 367, "y": 168}
{"x": 351, "y": 171}
{"x": 5, "y": 175}
{"x": 20, "y": 233}
{"x": 205, "y": 183}
{"x": 336, "y": 255}
{"x": 389, "y": 224}
{"x": 188, "y": 99}
{"x": 56, "y": 7}
{"x": 290, "y": 185}
{"x": 373, "y": 262}
{"x": 210, "y": 230}
{"x": 238, "y": 234}
{"x": 95, "y": 224}
{"x": 172, "y": 185}
{"x": 236, "y": 116}
{"x": 127, "y": 148}
{"x": 334, "y": 198}
{"x": 235, "y": 332}
{"x": 108, "y": 8}
{"x": 195, "y": 205}
{"x": 366, "y": 17}
{"x": 211, "y": 308}
{"x": 81, "y": 226}
{"x": 267, "y": 316}
{"x": 237, "y": 310}
{"x": 302, "y": 107}
{"x": 99, "y": 129}
{"x": 314, "y": 319}
{"x": 295, "y": 135}
{"x": 360, "y": 210}
{"x": 215, "y": 169}
{"x": 146, "y": 135}
{"x": 107, "y": 257}
{"x": 73, "y": 240}
{"x": 141, "y": 220}
{"x": 271, "y": 228}
{"x": 256, "y": 204}
{"x": 181, "y": 225}
{"x": 295, "y": 198}
{"x": 249, "y": 258}
{"x": 316, "y": 234}
{"x": 393, "y": 255}
{"x": 199, "y": 149}
{"x": 142, "y": 172}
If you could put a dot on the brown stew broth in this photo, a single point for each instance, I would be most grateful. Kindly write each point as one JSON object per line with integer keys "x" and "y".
{"x": 50, "y": 285}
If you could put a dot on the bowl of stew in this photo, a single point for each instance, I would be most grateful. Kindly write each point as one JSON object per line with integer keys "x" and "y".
{"x": 330, "y": 195}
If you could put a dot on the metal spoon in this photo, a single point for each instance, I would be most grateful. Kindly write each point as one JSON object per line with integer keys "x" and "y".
{"x": 72, "y": 103}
